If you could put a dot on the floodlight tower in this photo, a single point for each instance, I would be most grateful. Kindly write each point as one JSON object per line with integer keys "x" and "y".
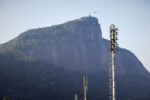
{"x": 113, "y": 48}
{"x": 84, "y": 87}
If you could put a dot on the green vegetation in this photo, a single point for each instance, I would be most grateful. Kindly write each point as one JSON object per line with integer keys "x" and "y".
{"x": 4, "y": 98}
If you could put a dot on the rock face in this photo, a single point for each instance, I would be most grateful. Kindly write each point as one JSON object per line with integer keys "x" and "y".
{"x": 77, "y": 48}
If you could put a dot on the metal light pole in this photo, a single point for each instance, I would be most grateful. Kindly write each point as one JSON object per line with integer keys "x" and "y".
{"x": 113, "y": 48}
{"x": 84, "y": 87}
{"x": 75, "y": 97}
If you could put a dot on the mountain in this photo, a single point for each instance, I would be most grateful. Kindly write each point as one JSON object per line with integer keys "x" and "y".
{"x": 49, "y": 63}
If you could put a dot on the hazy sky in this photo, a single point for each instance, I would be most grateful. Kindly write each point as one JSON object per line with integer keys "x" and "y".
{"x": 132, "y": 17}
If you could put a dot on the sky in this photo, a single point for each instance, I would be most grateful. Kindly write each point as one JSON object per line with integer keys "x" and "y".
{"x": 132, "y": 17}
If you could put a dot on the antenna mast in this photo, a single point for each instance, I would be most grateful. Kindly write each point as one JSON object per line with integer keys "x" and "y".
{"x": 113, "y": 48}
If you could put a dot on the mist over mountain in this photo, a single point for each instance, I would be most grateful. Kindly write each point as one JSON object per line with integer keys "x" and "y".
{"x": 49, "y": 63}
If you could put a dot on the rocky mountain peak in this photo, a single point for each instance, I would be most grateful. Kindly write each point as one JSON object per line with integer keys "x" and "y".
{"x": 52, "y": 60}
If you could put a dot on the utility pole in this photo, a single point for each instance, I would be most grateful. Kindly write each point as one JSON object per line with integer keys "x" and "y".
{"x": 84, "y": 87}
{"x": 113, "y": 48}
